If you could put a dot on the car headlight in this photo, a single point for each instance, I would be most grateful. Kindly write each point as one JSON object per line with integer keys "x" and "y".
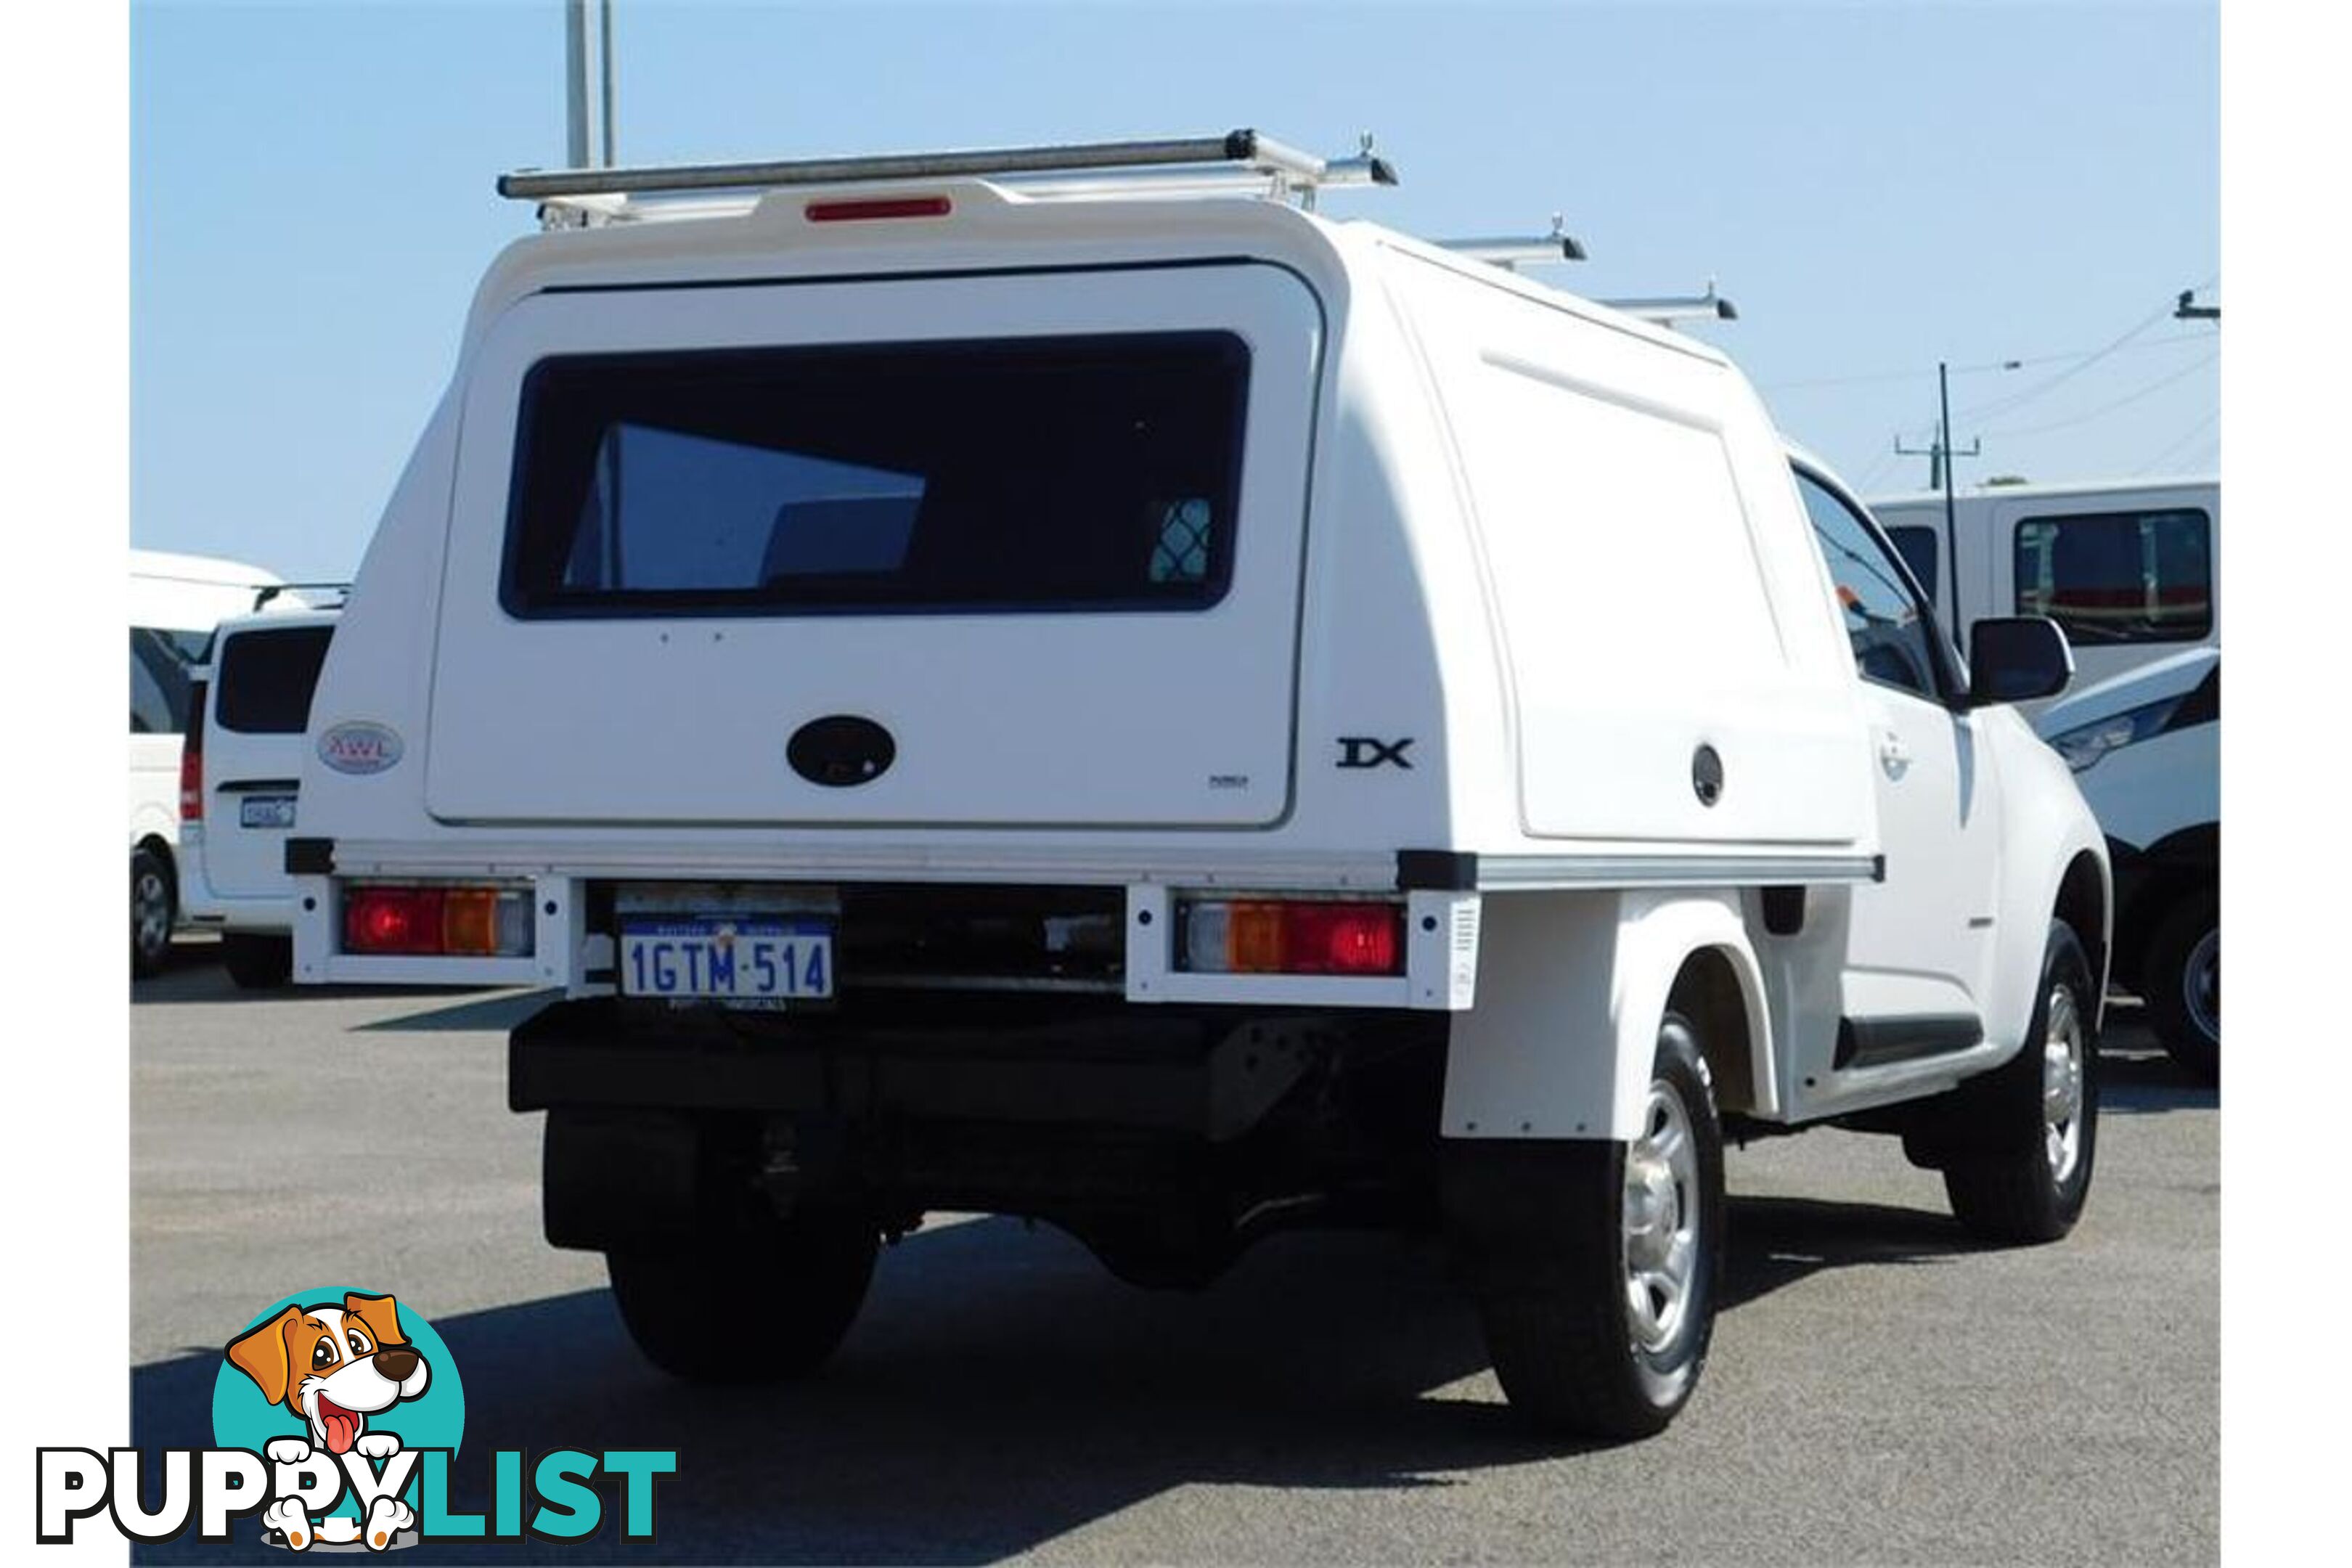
{"x": 2085, "y": 744}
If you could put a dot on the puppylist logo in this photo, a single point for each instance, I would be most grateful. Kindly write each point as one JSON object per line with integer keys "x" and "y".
{"x": 337, "y": 1416}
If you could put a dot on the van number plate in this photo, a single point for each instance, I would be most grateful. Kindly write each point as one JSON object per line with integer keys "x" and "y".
{"x": 727, "y": 959}
{"x": 265, "y": 811}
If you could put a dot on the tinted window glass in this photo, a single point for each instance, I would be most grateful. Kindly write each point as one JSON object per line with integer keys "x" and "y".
{"x": 1916, "y": 545}
{"x": 1890, "y": 635}
{"x": 159, "y": 662}
{"x": 2119, "y": 576}
{"x": 266, "y": 678}
{"x": 1054, "y": 474}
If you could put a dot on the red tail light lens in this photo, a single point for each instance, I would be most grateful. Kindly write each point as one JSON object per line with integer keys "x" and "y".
{"x": 192, "y": 758}
{"x": 413, "y": 920}
{"x": 393, "y": 920}
{"x": 1343, "y": 938}
{"x": 1291, "y": 936}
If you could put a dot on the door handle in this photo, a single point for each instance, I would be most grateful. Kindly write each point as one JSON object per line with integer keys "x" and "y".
{"x": 1893, "y": 754}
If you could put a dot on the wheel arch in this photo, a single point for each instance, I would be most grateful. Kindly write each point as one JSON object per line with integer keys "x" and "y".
{"x": 1718, "y": 989}
{"x": 2078, "y": 888}
{"x": 2082, "y": 903}
{"x": 1572, "y": 989}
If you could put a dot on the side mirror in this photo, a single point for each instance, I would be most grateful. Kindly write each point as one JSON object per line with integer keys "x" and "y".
{"x": 2017, "y": 659}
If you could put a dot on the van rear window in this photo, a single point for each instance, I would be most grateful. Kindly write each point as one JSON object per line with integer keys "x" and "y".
{"x": 266, "y": 680}
{"x": 1048, "y": 474}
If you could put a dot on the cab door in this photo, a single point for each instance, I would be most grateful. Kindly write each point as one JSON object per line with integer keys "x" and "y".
{"x": 1920, "y": 938}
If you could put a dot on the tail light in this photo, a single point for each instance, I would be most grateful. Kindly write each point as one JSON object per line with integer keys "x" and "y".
{"x": 1291, "y": 936}
{"x": 191, "y": 757}
{"x": 418, "y": 920}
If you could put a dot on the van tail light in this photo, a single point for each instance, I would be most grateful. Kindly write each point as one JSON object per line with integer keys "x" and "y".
{"x": 192, "y": 758}
{"x": 1291, "y": 936}
{"x": 416, "y": 920}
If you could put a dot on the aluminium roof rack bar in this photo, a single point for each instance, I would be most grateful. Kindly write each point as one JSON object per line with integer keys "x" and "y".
{"x": 1249, "y": 151}
{"x": 1666, "y": 309}
{"x": 1508, "y": 253}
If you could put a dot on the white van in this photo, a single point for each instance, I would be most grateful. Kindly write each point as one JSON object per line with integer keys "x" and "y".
{"x": 2130, "y": 568}
{"x": 243, "y": 749}
{"x": 175, "y": 600}
{"x": 1176, "y": 717}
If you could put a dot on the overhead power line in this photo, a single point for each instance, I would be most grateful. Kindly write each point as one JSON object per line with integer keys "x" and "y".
{"x": 2173, "y": 448}
{"x": 2106, "y": 408}
{"x": 2019, "y": 399}
{"x": 1865, "y": 378}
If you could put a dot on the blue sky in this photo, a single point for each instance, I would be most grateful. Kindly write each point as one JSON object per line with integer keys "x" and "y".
{"x": 1876, "y": 187}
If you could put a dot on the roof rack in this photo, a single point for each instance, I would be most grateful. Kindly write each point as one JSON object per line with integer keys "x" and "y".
{"x": 269, "y": 590}
{"x": 1507, "y": 253}
{"x": 1238, "y": 161}
{"x": 1665, "y": 310}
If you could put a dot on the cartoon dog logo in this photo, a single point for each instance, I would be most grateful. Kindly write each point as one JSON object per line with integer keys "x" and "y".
{"x": 333, "y": 1367}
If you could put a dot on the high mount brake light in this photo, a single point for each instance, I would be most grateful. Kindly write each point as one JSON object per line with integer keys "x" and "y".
{"x": 1291, "y": 936}
{"x": 416, "y": 920}
{"x": 878, "y": 207}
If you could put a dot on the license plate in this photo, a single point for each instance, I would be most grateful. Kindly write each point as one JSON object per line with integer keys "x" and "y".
{"x": 727, "y": 958}
{"x": 265, "y": 811}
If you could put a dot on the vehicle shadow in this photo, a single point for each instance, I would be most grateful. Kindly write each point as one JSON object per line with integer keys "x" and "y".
{"x": 1001, "y": 1389}
{"x": 2137, "y": 1078}
{"x": 194, "y": 975}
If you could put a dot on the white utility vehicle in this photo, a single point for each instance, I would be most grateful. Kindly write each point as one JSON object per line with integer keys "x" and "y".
{"x": 991, "y": 681}
{"x": 2129, "y": 568}
{"x": 243, "y": 749}
{"x": 175, "y": 600}
{"x": 2146, "y": 747}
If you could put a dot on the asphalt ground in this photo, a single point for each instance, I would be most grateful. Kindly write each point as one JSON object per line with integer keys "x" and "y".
{"x": 1879, "y": 1391}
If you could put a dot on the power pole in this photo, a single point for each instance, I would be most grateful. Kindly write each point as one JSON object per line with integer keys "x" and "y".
{"x": 1939, "y": 475}
{"x": 605, "y": 58}
{"x": 576, "y": 84}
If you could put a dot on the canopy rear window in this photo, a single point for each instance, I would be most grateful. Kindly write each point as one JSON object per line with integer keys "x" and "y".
{"x": 267, "y": 678}
{"x": 1050, "y": 474}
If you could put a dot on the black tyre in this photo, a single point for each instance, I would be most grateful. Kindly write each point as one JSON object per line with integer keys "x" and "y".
{"x": 154, "y": 910}
{"x": 802, "y": 1279}
{"x": 2031, "y": 1126}
{"x": 1597, "y": 1266}
{"x": 2181, "y": 980}
{"x": 256, "y": 961}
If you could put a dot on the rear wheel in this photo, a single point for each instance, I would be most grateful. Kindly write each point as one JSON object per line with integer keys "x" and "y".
{"x": 256, "y": 960}
{"x": 2183, "y": 978}
{"x": 154, "y": 909}
{"x": 803, "y": 1279}
{"x": 1596, "y": 1265}
{"x": 2034, "y": 1124}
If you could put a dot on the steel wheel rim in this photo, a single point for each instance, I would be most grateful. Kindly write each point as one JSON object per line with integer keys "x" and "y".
{"x": 151, "y": 911}
{"x": 2063, "y": 1062}
{"x": 1661, "y": 1220}
{"x": 2200, "y": 985}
